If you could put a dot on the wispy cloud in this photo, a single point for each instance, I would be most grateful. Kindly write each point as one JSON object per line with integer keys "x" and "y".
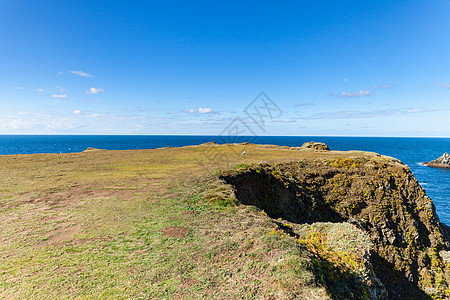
{"x": 355, "y": 94}
{"x": 59, "y": 96}
{"x": 141, "y": 109}
{"x": 384, "y": 86}
{"x": 443, "y": 85}
{"x": 60, "y": 88}
{"x": 18, "y": 88}
{"x": 304, "y": 104}
{"x": 73, "y": 121}
{"x": 40, "y": 90}
{"x": 285, "y": 121}
{"x": 370, "y": 114}
{"x": 94, "y": 91}
{"x": 105, "y": 122}
{"x": 81, "y": 73}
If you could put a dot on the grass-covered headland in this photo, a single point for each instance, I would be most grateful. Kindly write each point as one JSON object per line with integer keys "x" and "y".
{"x": 207, "y": 222}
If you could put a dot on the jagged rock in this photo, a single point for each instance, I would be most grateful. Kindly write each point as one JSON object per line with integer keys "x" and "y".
{"x": 441, "y": 162}
{"x": 347, "y": 240}
{"x": 89, "y": 149}
{"x": 316, "y": 146}
{"x": 445, "y": 256}
{"x": 208, "y": 143}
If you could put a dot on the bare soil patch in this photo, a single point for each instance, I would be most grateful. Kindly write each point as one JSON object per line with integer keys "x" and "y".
{"x": 58, "y": 237}
{"x": 175, "y": 231}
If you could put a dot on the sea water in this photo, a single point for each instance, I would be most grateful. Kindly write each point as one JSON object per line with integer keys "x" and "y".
{"x": 411, "y": 151}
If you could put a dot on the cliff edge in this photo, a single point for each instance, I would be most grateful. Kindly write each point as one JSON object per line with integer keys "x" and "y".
{"x": 407, "y": 257}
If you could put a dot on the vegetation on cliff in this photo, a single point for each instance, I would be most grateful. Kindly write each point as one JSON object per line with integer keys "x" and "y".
{"x": 378, "y": 194}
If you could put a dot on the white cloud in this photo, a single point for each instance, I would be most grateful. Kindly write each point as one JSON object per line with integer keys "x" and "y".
{"x": 204, "y": 110}
{"x": 94, "y": 91}
{"x": 59, "y": 96}
{"x": 18, "y": 88}
{"x": 443, "y": 85}
{"x": 355, "y": 94}
{"x": 81, "y": 73}
{"x": 77, "y": 111}
{"x": 201, "y": 110}
{"x": 60, "y": 88}
{"x": 40, "y": 90}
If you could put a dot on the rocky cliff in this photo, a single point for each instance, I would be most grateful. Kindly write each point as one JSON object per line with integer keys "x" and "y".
{"x": 405, "y": 254}
{"x": 441, "y": 162}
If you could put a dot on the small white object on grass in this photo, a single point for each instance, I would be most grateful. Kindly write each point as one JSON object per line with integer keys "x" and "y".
{"x": 243, "y": 153}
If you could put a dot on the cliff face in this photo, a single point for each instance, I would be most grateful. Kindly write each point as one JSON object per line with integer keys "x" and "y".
{"x": 378, "y": 195}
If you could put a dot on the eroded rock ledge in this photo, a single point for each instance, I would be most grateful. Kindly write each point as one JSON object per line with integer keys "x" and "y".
{"x": 379, "y": 196}
{"x": 441, "y": 162}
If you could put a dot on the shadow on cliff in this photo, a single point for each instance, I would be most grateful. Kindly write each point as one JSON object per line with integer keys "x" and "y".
{"x": 281, "y": 200}
{"x": 297, "y": 204}
{"x": 398, "y": 286}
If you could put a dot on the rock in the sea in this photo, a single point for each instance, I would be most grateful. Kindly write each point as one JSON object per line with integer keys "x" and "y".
{"x": 441, "y": 162}
{"x": 315, "y": 146}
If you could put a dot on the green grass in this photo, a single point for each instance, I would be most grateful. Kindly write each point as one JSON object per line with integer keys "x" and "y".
{"x": 142, "y": 224}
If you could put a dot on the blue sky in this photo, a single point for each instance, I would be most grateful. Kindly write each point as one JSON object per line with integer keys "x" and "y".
{"x": 357, "y": 68}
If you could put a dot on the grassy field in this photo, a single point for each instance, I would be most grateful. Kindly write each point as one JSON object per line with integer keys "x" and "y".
{"x": 138, "y": 224}
{"x": 145, "y": 224}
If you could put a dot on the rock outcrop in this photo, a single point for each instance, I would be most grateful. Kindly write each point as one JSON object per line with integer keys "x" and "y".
{"x": 315, "y": 146}
{"x": 441, "y": 162}
{"x": 377, "y": 194}
{"x": 89, "y": 149}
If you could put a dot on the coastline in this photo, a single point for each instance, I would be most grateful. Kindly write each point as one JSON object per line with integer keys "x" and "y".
{"x": 410, "y": 151}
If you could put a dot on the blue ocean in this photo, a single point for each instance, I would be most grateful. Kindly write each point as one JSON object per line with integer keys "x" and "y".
{"x": 411, "y": 151}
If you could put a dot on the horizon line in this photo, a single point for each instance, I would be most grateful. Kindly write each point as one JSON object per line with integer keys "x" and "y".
{"x": 213, "y": 135}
